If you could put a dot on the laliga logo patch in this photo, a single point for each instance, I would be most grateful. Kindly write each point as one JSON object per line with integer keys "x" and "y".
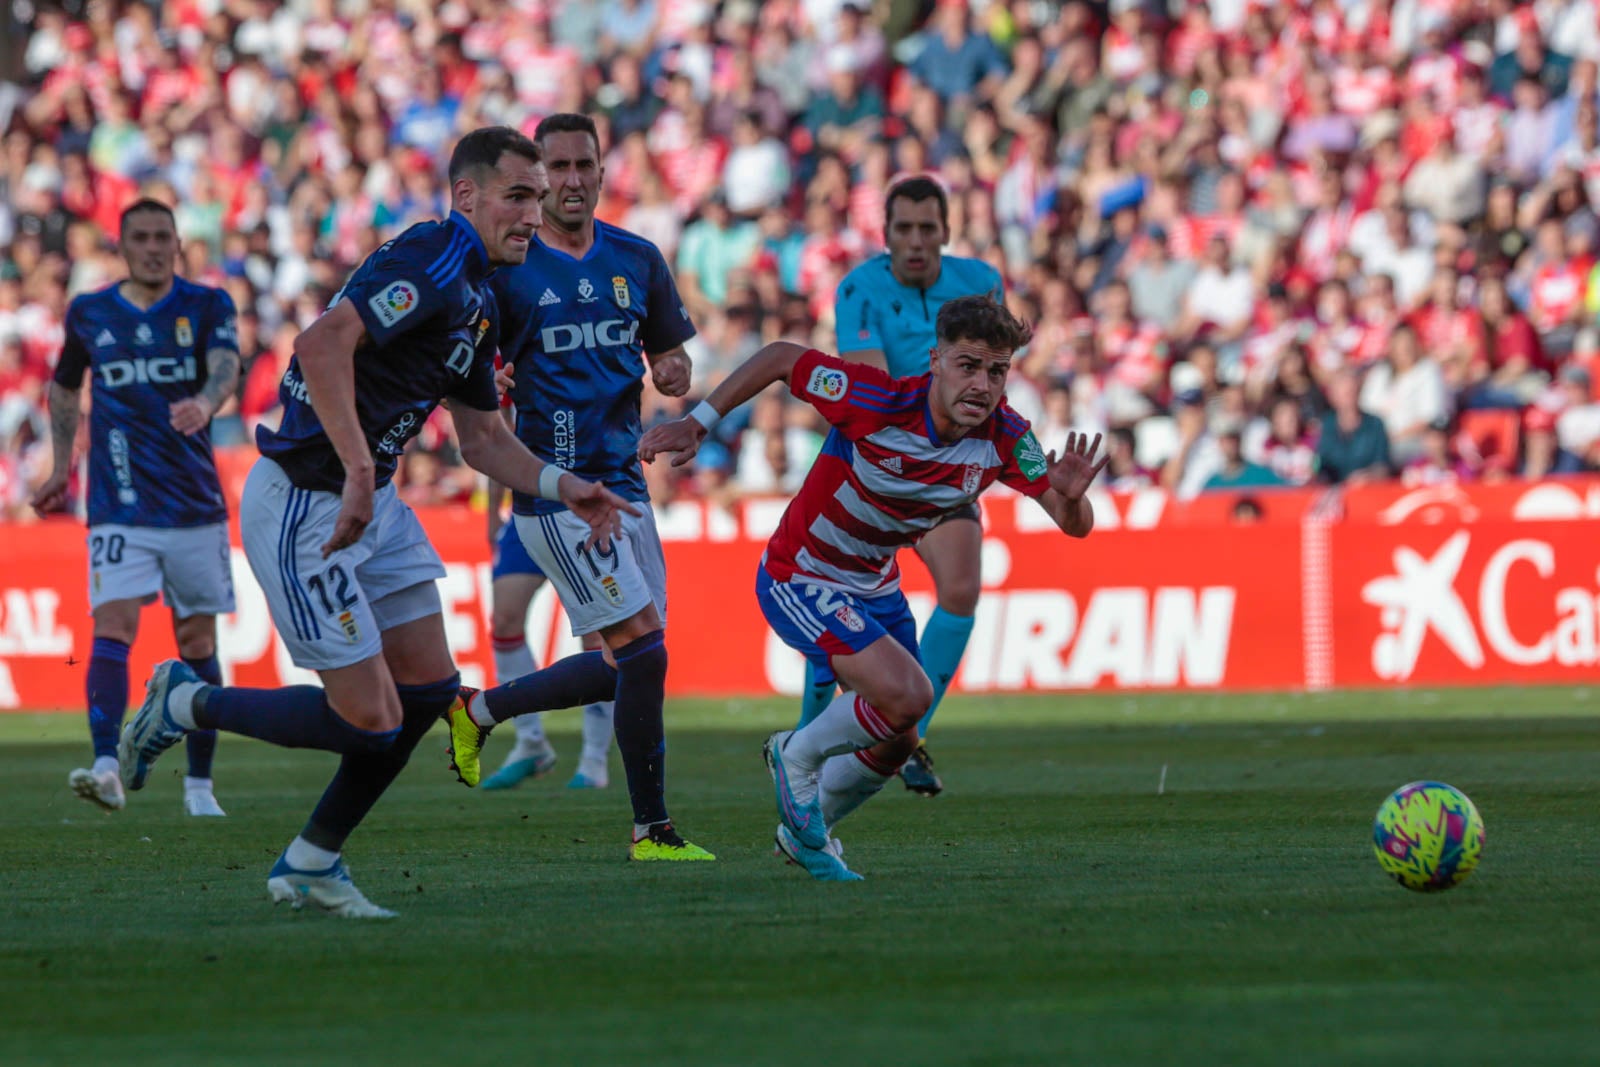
{"x": 613, "y": 590}
{"x": 851, "y": 620}
{"x": 971, "y": 478}
{"x": 827, "y": 383}
{"x": 394, "y": 303}
{"x": 619, "y": 289}
{"x": 1030, "y": 457}
{"x": 183, "y": 333}
{"x": 347, "y": 622}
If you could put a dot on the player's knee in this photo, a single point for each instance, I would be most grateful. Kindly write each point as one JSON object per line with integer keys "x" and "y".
{"x": 197, "y": 647}
{"x": 506, "y": 625}
{"x": 379, "y": 714}
{"x": 958, "y": 594}
{"x": 905, "y": 703}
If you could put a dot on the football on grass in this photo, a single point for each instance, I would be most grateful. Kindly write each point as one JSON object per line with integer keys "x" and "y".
{"x": 1428, "y": 836}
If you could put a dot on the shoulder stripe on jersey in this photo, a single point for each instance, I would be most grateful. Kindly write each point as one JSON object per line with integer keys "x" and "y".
{"x": 868, "y": 405}
{"x": 449, "y": 262}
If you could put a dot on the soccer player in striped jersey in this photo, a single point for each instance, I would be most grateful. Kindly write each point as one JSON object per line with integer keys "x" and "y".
{"x": 903, "y": 453}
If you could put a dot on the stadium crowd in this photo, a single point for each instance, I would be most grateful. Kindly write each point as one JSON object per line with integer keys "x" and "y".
{"x": 1261, "y": 242}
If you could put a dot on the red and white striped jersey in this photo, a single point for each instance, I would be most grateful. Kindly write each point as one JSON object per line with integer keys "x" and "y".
{"x": 883, "y": 479}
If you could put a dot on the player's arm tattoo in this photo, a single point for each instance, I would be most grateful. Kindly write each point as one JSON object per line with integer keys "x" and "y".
{"x": 64, "y": 414}
{"x": 222, "y": 376}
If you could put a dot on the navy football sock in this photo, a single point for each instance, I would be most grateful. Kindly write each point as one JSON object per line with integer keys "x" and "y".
{"x": 107, "y": 691}
{"x": 202, "y": 744}
{"x": 641, "y": 734}
{"x": 295, "y": 716}
{"x": 364, "y": 776}
{"x": 567, "y": 683}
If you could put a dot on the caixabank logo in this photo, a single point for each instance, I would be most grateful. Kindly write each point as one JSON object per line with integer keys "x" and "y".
{"x": 1495, "y": 601}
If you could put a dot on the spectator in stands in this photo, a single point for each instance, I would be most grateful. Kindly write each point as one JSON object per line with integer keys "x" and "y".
{"x": 1352, "y": 447}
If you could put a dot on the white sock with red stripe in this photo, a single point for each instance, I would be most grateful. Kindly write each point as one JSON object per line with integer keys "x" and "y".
{"x": 849, "y": 724}
{"x": 512, "y": 660}
{"x": 849, "y": 781}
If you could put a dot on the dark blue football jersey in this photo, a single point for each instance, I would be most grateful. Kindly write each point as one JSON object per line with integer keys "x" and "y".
{"x": 430, "y": 336}
{"x": 576, "y": 330}
{"x": 142, "y": 472}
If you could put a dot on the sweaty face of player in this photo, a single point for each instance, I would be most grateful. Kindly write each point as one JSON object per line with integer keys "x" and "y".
{"x": 969, "y": 381}
{"x": 915, "y": 235}
{"x": 150, "y": 248}
{"x": 573, "y": 162}
{"x": 507, "y": 207}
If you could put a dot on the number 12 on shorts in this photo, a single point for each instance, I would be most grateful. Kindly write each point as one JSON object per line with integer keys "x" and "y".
{"x": 336, "y": 581}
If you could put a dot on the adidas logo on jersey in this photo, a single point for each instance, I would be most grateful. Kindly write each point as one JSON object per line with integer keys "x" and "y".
{"x": 104, "y": 339}
{"x": 891, "y": 464}
{"x": 548, "y": 298}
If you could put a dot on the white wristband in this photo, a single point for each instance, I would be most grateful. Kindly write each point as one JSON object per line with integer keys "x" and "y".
{"x": 549, "y": 480}
{"x": 705, "y": 415}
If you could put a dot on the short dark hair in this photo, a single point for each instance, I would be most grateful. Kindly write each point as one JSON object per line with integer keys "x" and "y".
{"x": 141, "y": 205}
{"x": 983, "y": 319}
{"x": 567, "y": 122}
{"x": 482, "y": 148}
{"x": 916, "y": 190}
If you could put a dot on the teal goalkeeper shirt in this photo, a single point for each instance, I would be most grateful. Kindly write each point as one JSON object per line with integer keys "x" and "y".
{"x": 873, "y": 310}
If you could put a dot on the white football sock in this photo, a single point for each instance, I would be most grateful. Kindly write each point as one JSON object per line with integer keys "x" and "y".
{"x": 105, "y": 765}
{"x": 512, "y": 661}
{"x": 530, "y": 729}
{"x": 597, "y": 732}
{"x": 304, "y": 856}
{"x": 180, "y": 703}
{"x": 848, "y": 724}
{"x": 847, "y": 783}
{"x": 478, "y": 711}
{"x": 196, "y": 785}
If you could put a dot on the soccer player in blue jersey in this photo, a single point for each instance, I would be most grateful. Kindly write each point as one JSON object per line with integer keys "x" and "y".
{"x": 515, "y": 580}
{"x": 163, "y": 357}
{"x": 884, "y": 315}
{"x": 586, "y": 310}
{"x": 346, "y": 568}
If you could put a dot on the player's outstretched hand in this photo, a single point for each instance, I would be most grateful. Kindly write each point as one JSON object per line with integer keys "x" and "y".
{"x": 52, "y": 495}
{"x": 596, "y": 505}
{"x": 1072, "y": 473}
{"x": 355, "y": 515}
{"x": 503, "y": 380}
{"x": 670, "y": 374}
{"x": 682, "y": 436}
{"x": 190, "y": 415}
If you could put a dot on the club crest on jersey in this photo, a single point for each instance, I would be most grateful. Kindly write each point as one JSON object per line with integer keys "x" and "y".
{"x": 827, "y": 383}
{"x": 183, "y": 333}
{"x": 347, "y": 623}
{"x": 395, "y": 302}
{"x": 585, "y": 291}
{"x": 849, "y": 618}
{"x": 619, "y": 289}
{"x": 971, "y": 478}
{"x": 613, "y": 590}
{"x": 483, "y": 328}
{"x": 1030, "y": 457}
{"x": 143, "y": 335}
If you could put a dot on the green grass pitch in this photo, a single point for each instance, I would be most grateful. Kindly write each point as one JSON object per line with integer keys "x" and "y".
{"x": 1050, "y": 908}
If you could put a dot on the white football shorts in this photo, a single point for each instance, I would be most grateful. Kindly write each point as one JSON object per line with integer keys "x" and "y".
{"x": 332, "y": 612}
{"x": 188, "y": 566}
{"x": 599, "y": 589}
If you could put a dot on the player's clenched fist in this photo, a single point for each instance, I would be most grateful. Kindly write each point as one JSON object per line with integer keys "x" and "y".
{"x": 681, "y": 436}
{"x": 670, "y": 374}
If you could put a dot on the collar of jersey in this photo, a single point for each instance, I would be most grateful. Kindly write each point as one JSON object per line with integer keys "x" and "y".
{"x": 116, "y": 294}
{"x": 482, "y": 257}
{"x": 594, "y": 246}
